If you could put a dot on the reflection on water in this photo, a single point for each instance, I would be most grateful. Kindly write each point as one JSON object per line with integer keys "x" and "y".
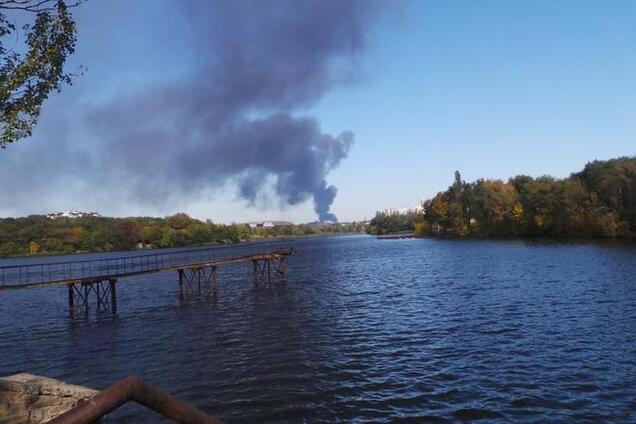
{"x": 366, "y": 329}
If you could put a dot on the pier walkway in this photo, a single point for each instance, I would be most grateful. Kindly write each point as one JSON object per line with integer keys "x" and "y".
{"x": 196, "y": 269}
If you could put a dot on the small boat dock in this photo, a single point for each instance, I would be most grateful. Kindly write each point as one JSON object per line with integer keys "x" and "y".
{"x": 396, "y": 236}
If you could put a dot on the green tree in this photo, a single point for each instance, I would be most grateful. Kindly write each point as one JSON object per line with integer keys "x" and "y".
{"x": 179, "y": 221}
{"x": 168, "y": 236}
{"x": 151, "y": 234}
{"x": 28, "y": 78}
{"x": 495, "y": 208}
{"x": 614, "y": 183}
{"x": 600, "y": 201}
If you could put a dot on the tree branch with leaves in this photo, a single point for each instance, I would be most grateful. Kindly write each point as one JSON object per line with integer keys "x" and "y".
{"x": 28, "y": 78}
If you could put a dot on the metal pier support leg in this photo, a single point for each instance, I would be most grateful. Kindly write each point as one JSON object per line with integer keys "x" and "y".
{"x": 113, "y": 295}
{"x": 198, "y": 281}
{"x": 79, "y": 295}
{"x": 71, "y": 299}
{"x": 280, "y": 271}
{"x": 87, "y": 290}
{"x": 180, "y": 284}
{"x": 215, "y": 283}
{"x": 283, "y": 265}
{"x": 259, "y": 272}
{"x": 255, "y": 271}
{"x": 269, "y": 271}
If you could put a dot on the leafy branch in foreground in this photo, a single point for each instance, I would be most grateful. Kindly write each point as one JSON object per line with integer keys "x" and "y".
{"x": 27, "y": 78}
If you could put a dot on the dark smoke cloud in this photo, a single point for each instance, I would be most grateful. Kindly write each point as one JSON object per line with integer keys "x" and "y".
{"x": 240, "y": 115}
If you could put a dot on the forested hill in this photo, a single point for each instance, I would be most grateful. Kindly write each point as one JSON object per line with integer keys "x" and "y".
{"x": 599, "y": 201}
{"x": 38, "y": 234}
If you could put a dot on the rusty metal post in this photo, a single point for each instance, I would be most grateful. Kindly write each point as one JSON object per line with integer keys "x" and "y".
{"x": 255, "y": 266}
{"x": 283, "y": 266}
{"x": 113, "y": 295}
{"x": 87, "y": 290}
{"x": 71, "y": 299}
{"x": 98, "y": 285}
{"x": 135, "y": 389}
{"x": 180, "y": 283}
{"x": 215, "y": 283}
{"x": 280, "y": 271}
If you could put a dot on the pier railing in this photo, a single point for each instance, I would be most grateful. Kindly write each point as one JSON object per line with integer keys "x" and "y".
{"x": 43, "y": 273}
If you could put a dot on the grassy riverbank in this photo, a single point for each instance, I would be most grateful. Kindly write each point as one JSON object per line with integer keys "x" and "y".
{"x": 37, "y": 235}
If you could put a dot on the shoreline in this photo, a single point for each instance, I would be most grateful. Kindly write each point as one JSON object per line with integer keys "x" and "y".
{"x": 395, "y": 236}
{"x": 193, "y": 246}
{"x": 392, "y": 236}
{"x": 542, "y": 239}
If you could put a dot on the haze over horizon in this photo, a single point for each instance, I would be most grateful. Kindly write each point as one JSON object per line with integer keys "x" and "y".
{"x": 237, "y": 112}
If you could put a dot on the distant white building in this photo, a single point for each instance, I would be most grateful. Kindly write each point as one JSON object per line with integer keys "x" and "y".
{"x": 268, "y": 224}
{"x": 404, "y": 211}
{"x": 71, "y": 214}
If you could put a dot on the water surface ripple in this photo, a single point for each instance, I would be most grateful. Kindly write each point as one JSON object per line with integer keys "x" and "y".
{"x": 366, "y": 330}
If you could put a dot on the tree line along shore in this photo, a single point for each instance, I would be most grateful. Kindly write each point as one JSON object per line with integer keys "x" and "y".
{"x": 599, "y": 201}
{"x": 37, "y": 234}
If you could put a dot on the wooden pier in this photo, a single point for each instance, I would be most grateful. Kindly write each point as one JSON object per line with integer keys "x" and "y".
{"x": 97, "y": 279}
{"x": 396, "y": 236}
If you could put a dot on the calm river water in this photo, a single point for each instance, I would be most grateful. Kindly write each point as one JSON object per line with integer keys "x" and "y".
{"x": 366, "y": 331}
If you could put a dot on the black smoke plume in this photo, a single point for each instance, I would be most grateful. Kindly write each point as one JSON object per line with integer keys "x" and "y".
{"x": 241, "y": 115}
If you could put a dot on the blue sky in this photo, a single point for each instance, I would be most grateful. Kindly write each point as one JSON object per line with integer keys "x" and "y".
{"x": 492, "y": 89}
{"x": 489, "y": 88}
